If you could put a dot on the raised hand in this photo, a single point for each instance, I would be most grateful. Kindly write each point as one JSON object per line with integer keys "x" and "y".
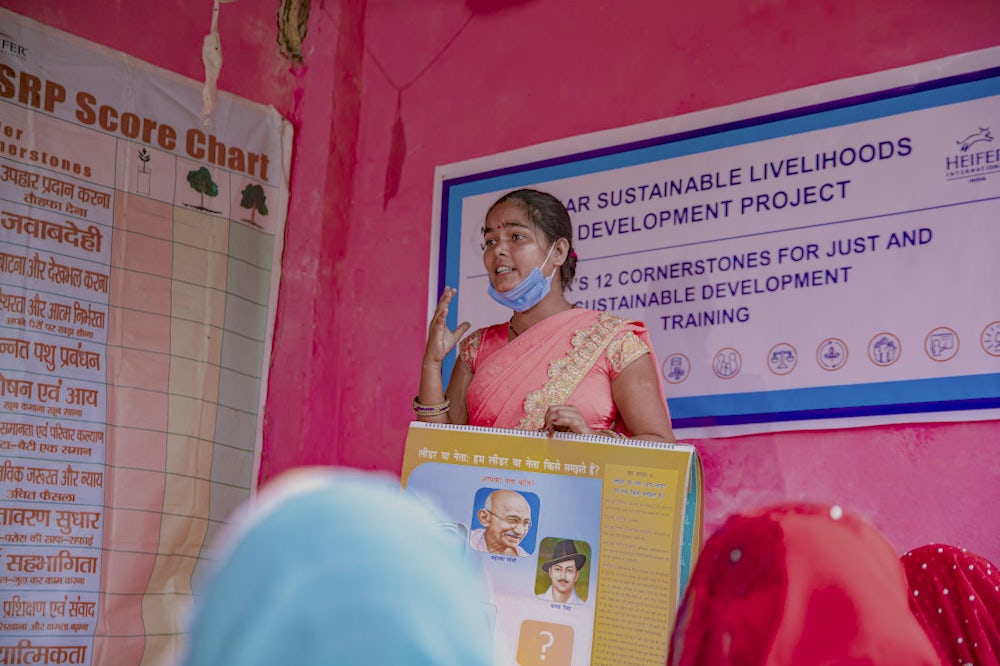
{"x": 440, "y": 339}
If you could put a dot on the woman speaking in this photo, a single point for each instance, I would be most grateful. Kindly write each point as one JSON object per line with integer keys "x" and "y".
{"x": 551, "y": 366}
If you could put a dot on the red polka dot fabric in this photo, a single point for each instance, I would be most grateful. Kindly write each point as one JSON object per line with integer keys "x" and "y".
{"x": 955, "y": 595}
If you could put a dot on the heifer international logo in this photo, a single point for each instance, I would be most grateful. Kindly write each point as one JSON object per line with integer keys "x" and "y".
{"x": 975, "y": 159}
{"x": 9, "y": 46}
{"x": 982, "y": 135}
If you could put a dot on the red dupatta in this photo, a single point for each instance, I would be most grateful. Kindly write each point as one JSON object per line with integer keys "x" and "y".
{"x": 798, "y": 585}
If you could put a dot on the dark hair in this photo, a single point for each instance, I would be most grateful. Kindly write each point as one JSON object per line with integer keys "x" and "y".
{"x": 550, "y": 215}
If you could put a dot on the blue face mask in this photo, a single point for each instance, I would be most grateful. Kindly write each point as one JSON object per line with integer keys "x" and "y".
{"x": 529, "y": 293}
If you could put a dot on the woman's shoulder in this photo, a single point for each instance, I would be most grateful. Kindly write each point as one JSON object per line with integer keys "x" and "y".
{"x": 470, "y": 345}
{"x": 489, "y": 331}
{"x": 493, "y": 328}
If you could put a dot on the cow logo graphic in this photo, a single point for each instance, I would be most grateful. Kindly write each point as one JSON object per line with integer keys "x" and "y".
{"x": 982, "y": 135}
{"x": 974, "y": 160}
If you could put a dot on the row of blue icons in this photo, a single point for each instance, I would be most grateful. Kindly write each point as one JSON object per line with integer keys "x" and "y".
{"x": 884, "y": 349}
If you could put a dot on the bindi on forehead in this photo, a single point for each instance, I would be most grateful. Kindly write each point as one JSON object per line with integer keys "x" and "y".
{"x": 506, "y": 224}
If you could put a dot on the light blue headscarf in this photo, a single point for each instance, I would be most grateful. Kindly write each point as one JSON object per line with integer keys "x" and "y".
{"x": 336, "y": 566}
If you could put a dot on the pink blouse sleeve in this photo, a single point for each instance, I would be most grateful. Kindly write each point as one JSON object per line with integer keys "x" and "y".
{"x": 468, "y": 348}
{"x": 624, "y": 350}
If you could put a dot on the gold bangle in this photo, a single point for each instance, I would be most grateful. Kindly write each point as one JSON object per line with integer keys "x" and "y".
{"x": 421, "y": 409}
{"x": 612, "y": 434}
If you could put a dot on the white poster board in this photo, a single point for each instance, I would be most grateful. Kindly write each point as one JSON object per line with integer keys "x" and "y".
{"x": 822, "y": 258}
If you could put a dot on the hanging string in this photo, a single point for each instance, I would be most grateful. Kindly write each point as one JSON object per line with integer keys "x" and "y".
{"x": 211, "y": 56}
{"x": 397, "y": 140}
{"x": 426, "y": 67}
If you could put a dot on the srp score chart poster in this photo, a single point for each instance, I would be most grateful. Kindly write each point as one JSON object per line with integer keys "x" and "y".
{"x": 822, "y": 258}
{"x": 139, "y": 257}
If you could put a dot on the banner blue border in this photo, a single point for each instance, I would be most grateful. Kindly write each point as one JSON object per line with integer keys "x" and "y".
{"x": 971, "y": 392}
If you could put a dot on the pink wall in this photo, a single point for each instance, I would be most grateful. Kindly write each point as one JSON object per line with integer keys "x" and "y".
{"x": 483, "y": 76}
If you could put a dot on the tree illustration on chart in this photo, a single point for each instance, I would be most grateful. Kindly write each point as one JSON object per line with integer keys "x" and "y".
{"x": 201, "y": 182}
{"x": 255, "y": 200}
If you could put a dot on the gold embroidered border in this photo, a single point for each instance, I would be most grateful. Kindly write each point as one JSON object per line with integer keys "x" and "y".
{"x": 622, "y": 351}
{"x": 469, "y": 347}
{"x": 565, "y": 373}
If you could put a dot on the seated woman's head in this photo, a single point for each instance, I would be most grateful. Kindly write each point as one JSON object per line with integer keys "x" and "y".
{"x": 798, "y": 585}
{"x": 339, "y": 566}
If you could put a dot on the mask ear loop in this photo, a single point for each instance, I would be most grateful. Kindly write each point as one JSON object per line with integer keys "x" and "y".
{"x": 557, "y": 268}
{"x": 552, "y": 247}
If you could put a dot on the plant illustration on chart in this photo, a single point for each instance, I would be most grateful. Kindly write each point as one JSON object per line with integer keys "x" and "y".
{"x": 144, "y": 173}
{"x": 255, "y": 200}
{"x": 201, "y": 182}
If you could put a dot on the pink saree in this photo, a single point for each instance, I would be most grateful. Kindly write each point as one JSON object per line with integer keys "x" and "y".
{"x": 569, "y": 358}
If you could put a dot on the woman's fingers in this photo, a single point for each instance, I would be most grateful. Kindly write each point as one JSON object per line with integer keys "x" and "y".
{"x": 565, "y": 418}
{"x": 440, "y": 339}
{"x": 441, "y": 311}
{"x": 462, "y": 329}
{"x": 446, "y": 297}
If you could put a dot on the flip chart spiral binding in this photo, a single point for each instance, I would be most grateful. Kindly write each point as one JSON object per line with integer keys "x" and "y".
{"x": 566, "y": 436}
